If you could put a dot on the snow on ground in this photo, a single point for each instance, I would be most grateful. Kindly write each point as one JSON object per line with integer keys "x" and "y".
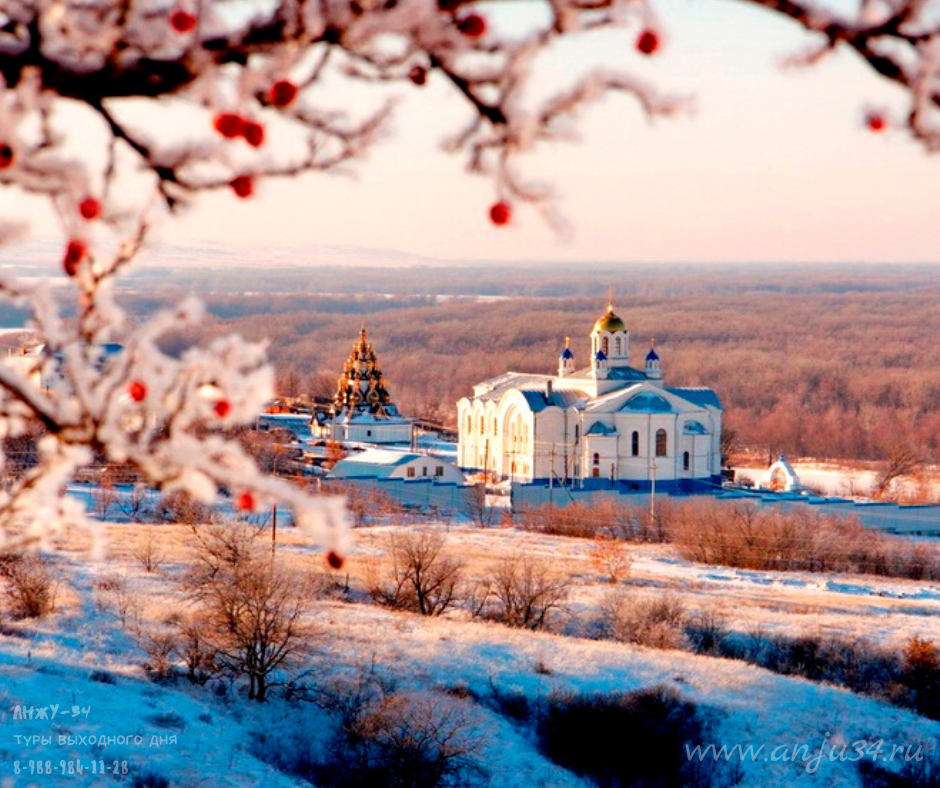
{"x": 884, "y": 610}
{"x": 750, "y": 705}
{"x": 52, "y": 661}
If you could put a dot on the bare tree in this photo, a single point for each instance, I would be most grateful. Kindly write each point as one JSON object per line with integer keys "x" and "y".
{"x": 150, "y": 554}
{"x": 135, "y": 505}
{"x": 255, "y": 608}
{"x": 289, "y": 384}
{"x": 527, "y": 591}
{"x": 424, "y": 577}
{"x": 902, "y": 460}
{"x": 479, "y": 508}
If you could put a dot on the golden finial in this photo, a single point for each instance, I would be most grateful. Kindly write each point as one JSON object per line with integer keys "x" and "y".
{"x": 610, "y": 298}
{"x": 567, "y": 343}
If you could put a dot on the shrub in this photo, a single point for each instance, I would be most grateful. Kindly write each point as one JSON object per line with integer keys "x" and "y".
{"x": 180, "y": 507}
{"x": 658, "y": 623}
{"x": 160, "y": 647}
{"x": 148, "y": 777}
{"x": 30, "y": 585}
{"x": 611, "y": 558}
{"x": 706, "y": 631}
{"x": 406, "y": 741}
{"x": 622, "y": 740}
{"x": 524, "y": 592}
{"x": 921, "y": 674}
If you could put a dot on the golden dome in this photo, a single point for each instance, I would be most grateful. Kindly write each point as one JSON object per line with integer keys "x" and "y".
{"x": 609, "y": 321}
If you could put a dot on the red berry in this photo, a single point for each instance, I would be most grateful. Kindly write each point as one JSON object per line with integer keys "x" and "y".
{"x": 229, "y": 125}
{"x": 246, "y": 502}
{"x": 254, "y": 133}
{"x": 472, "y": 25}
{"x": 335, "y": 560}
{"x": 418, "y": 75}
{"x": 6, "y": 155}
{"x": 500, "y": 213}
{"x": 89, "y": 208}
{"x": 182, "y": 21}
{"x": 222, "y": 408}
{"x": 876, "y": 122}
{"x": 74, "y": 254}
{"x": 243, "y": 186}
{"x": 648, "y": 42}
{"x": 282, "y": 93}
{"x": 137, "y": 391}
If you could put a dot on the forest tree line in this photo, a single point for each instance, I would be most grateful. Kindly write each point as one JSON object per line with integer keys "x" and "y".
{"x": 837, "y": 362}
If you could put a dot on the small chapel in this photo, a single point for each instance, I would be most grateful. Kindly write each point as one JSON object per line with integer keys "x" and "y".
{"x": 362, "y": 409}
{"x": 603, "y": 425}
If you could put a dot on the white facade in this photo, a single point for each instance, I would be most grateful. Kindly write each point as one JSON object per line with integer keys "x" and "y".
{"x": 366, "y": 428}
{"x": 387, "y": 464}
{"x": 603, "y": 425}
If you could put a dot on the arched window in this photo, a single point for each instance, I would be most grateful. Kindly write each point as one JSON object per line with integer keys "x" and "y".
{"x": 577, "y": 433}
{"x": 606, "y": 345}
{"x": 635, "y": 444}
{"x": 685, "y": 461}
{"x": 495, "y": 433}
{"x": 596, "y": 473}
{"x": 661, "y": 443}
{"x": 597, "y": 458}
{"x": 482, "y": 428}
{"x": 469, "y": 424}
{"x": 618, "y": 347}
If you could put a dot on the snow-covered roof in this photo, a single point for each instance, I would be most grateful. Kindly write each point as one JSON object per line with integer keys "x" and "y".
{"x": 646, "y": 401}
{"x": 386, "y": 457}
{"x": 697, "y": 396}
{"x": 539, "y": 399}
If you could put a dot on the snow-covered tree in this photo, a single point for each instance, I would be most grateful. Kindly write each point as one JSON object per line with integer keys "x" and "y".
{"x": 118, "y": 111}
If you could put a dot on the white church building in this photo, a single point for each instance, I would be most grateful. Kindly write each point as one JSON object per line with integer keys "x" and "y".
{"x": 607, "y": 425}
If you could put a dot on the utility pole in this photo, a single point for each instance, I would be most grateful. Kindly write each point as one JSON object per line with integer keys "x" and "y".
{"x": 653, "y": 492}
{"x": 486, "y": 461}
{"x": 551, "y": 480}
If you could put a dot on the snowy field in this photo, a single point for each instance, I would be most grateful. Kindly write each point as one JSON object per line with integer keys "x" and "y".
{"x": 82, "y": 657}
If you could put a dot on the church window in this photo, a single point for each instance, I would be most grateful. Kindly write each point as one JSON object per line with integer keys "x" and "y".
{"x": 661, "y": 443}
{"x": 597, "y": 458}
{"x": 469, "y": 424}
{"x": 606, "y": 345}
{"x": 577, "y": 433}
{"x": 439, "y": 470}
{"x": 482, "y": 428}
{"x": 596, "y": 473}
{"x": 635, "y": 444}
{"x": 368, "y": 433}
{"x": 685, "y": 461}
{"x": 424, "y": 470}
{"x": 618, "y": 347}
{"x": 411, "y": 473}
{"x": 495, "y": 433}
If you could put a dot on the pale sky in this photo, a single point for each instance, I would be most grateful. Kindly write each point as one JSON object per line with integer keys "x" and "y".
{"x": 774, "y": 164}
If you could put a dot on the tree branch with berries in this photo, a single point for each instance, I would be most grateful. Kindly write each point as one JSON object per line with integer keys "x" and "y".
{"x": 244, "y": 75}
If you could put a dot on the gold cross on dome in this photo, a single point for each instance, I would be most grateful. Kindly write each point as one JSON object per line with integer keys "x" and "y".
{"x": 610, "y": 297}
